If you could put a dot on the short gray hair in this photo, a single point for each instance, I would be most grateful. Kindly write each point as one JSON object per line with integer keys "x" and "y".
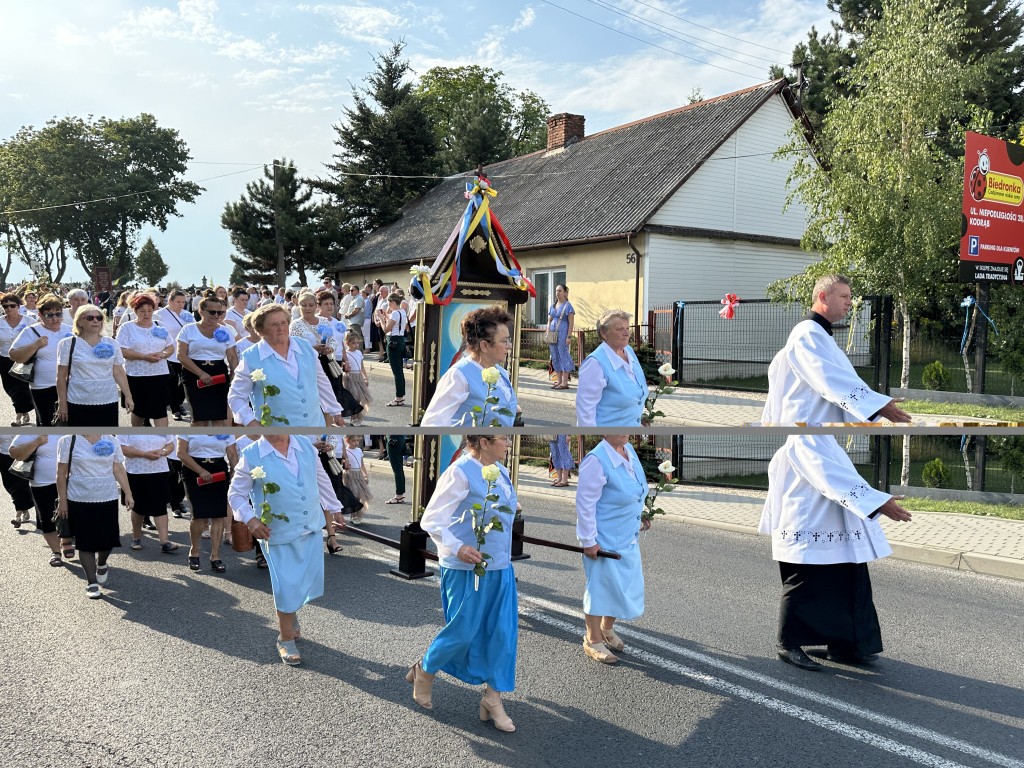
{"x": 825, "y": 283}
{"x": 77, "y": 293}
{"x": 607, "y": 316}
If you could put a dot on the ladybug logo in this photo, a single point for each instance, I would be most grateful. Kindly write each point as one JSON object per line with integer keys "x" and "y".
{"x": 979, "y": 176}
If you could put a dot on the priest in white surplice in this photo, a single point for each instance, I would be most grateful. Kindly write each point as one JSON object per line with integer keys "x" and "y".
{"x": 820, "y": 513}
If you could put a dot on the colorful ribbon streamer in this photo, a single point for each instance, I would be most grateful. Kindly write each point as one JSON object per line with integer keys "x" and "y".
{"x": 966, "y": 304}
{"x": 728, "y": 311}
{"x": 477, "y": 214}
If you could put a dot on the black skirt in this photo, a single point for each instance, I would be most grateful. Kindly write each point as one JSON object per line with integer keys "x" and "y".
{"x": 45, "y": 403}
{"x": 349, "y": 405}
{"x": 349, "y": 503}
{"x": 151, "y": 492}
{"x": 104, "y": 415}
{"x": 16, "y": 389}
{"x": 44, "y": 497}
{"x": 94, "y": 525}
{"x": 207, "y": 403}
{"x": 151, "y": 395}
{"x": 209, "y": 500}
{"x": 828, "y": 605}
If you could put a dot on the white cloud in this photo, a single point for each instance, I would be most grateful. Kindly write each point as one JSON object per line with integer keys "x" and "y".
{"x": 190, "y": 20}
{"x": 525, "y": 19}
{"x": 67, "y": 35}
{"x": 360, "y": 22}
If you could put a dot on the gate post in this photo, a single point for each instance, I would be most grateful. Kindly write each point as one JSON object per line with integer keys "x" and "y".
{"x": 883, "y": 459}
{"x": 677, "y": 338}
{"x": 885, "y": 346}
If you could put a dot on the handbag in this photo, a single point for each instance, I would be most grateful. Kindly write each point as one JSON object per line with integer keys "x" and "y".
{"x": 57, "y": 421}
{"x": 25, "y": 371}
{"x": 23, "y": 469}
{"x": 334, "y": 466}
{"x": 334, "y": 369}
{"x": 63, "y": 524}
{"x": 241, "y": 537}
{"x": 551, "y": 334}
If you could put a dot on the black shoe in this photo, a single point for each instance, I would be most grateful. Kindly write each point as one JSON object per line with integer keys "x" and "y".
{"x": 797, "y": 658}
{"x": 177, "y": 513}
{"x": 148, "y": 525}
{"x": 853, "y": 659}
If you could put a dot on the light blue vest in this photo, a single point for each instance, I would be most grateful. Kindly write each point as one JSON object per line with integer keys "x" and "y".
{"x": 478, "y": 393}
{"x": 622, "y": 502}
{"x": 497, "y": 544}
{"x": 299, "y": 497}
{"x": 299, "y": 401}
{"x": 622, "y": 402}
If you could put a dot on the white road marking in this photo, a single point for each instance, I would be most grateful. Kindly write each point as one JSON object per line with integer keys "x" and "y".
{"x": 851, "y": 731}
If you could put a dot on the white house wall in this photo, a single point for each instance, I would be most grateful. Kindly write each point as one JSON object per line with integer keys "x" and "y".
{"x": 740, "y": 188}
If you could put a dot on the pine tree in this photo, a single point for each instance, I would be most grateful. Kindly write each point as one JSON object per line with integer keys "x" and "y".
{"x": 149, "y": 265}
{"x": 385, "y": 136}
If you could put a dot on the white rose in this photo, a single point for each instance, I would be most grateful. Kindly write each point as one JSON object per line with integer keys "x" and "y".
{"x": 487, "y": 528}
{"x": 419, "y": 269}
{"x": 258, "y": 473}
{"x": 491, "y": 473}
{"x": 490, "y": 375}
{"x": 666, "y": 370}
{"x": 258, "y": 375}
{"x": 666, "y": 467}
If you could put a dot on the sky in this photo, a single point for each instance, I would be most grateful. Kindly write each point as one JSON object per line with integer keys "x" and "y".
{"x": 244, "y": 83}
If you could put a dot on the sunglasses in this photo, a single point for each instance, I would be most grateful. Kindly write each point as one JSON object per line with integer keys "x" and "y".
{"x": 214, "y": 312}
{"x": 52, "y": 315}
{"x": 97, "y": 318}
{"x": 10, "y": 306}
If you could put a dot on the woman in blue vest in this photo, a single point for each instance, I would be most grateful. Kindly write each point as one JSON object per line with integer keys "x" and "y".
{"x": 612, "y": 389}
{"x": 487, "y": 338}
{"x": 288, "y": 362}
{"x": 293, "y": 547}
{"x": 610, "y": 515}
{"x": 478, "y": 643}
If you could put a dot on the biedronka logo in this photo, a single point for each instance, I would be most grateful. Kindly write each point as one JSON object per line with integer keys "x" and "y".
{"x": 995, "y": 187}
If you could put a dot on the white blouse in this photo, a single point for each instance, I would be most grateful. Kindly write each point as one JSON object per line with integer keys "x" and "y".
{"x": 45, "y": 372}
{"x": 44, "y": 470}
{"x": 91, "y": 378}
{"x": 401, "y": 323}
{"x": 202, "y": 348}
{"x": 174, "y": 323}
{"x": 8, "y": 334}
{"x": 144, "y": 341}
{"x": 304, "y": 330}
{"x": 355, "y": 457}
{"x": 91, "y": 476}
{"x": 207, "y": 446}
{"x": 139, "y": 466}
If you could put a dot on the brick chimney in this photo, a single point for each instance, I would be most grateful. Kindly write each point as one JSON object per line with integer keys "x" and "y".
{"x": 563, "y": 129}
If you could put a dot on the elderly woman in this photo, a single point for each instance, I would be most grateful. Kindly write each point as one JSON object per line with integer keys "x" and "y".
{"x": 289, "y": 363}
{"x": 206, "y": 461}
{"x": 250, "y": 338}
{"x": 147, "y": 346}
{"x": 17, "y": 487}
{"x": 76, "y": 297}
{"x": 610, "y": 498}
{"x": 478, "y": 643}
{"x": 486, "y": 335}
{"x": 11, "y": 326}
{"x": 321, "y": 333}
{"x": 149, "y": 478}
{"x": 291, "y": 546}
{"x": 38, "y": 343}
{"x": 561, "y": 317}
{"x": 206, "y": 351}
{"x": 43, "y": 487}
{"x": 29, "y": 308}
{"x": 89, "y": 470}
{"x": 612, "y": 390}
{"x": 393, "y": 322}
{"x": 90, "y": 371}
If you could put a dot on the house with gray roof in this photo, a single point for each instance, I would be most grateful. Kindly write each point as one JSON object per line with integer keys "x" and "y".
{"x": 683, "y": 205}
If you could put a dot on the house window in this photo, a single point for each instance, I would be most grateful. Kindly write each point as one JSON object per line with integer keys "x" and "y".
{"x": 545, "y": 280}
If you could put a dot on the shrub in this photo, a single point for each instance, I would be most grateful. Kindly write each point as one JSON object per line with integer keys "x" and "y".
{"x": 936, "y": 474}
{"x": 935, "y": 376}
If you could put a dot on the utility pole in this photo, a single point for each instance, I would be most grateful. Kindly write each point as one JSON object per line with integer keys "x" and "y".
{"x": 277, "y": 233}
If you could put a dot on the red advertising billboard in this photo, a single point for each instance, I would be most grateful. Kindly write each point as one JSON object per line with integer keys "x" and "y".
{"x": 992, "y": 227}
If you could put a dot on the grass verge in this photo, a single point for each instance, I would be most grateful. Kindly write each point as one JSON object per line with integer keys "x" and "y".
{"x": 1005, "y": 511}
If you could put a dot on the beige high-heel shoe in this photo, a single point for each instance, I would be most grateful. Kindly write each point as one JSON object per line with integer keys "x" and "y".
{"x": 612, "y": 640}
{"x": 492, "y": 709}
{"x": 421, "y": 685}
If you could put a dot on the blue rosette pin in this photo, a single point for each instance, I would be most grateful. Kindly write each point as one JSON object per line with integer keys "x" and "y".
{"x": 222, "y": 336}
{"x": 160, "y": 332}
{"x": 103, "y": 448}
{"x": 104, "y": 350}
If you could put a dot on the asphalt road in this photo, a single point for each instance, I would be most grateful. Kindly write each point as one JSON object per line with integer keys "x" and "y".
{"x": 173, "y": 668}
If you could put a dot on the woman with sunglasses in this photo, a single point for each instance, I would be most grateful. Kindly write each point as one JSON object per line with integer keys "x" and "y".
{"x": 11, "y": 326}
{"x": 90, "y": 372}
{"x": 206, "y": 351}
{"x": 146, "y": 345}
{"x": 39, "y": 341}
{"x": 486, "y": 337}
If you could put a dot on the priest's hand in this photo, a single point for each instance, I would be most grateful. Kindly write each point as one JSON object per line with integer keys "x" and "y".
{"x": 892, "y": 412}
{"x": 894, "y": 511}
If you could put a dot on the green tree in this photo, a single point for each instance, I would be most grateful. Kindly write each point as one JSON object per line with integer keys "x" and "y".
{"x": 149, "y": 265}
{"x": 385, "y": 147}
{"x": 883, "y": 198}
{"x": 86, "y": 188}
{"x": 263, "y": 218}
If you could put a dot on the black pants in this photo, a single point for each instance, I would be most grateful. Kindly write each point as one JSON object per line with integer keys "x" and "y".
{"x": 396, "y": 453}
{"x": 15, "y": 388}
{"x": 828, "y": 605}
{"x": 17, "y": 487}
{"x": 396, "y": 358}
{"x": 45, "y": 401}
{"x": 177, "y": 388}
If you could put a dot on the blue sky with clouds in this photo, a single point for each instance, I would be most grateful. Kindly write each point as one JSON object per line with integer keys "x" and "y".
{"x": 244, "y": 83}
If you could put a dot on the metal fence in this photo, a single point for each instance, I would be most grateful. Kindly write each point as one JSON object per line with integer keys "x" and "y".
{"x": 651, "y": 449}
{"x": 712, "y": 352}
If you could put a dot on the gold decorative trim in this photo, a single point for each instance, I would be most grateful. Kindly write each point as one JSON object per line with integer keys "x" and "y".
{"x": 432, "y": 375}
{"x": 474, "y": 292}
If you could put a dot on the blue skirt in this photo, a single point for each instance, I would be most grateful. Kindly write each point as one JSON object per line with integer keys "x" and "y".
{"x": 296, "y": 571}
{"x": 561, "y": 360}
{"x": 561, "y": 457}
{"x": 615, "y": 587}
{"x": 478, "y": 643}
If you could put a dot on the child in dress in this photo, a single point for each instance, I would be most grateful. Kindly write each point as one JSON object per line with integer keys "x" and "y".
{"x": 355, "y": 380}
{"x": 356, "y": 479}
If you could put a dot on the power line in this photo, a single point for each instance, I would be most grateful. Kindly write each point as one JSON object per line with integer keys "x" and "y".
{"x": 653, "y": 45}
{"x": 711, "y": 29}
{"x": 670, "y": 32}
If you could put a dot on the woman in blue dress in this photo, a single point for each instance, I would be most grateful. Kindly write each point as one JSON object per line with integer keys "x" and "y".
{"x": 561, "y": 317}
{"x": 561, "y": 460}
{"x": 478, "y": 642}
{"x": 610, "y": 515}
{"x": 612, "y": 389}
